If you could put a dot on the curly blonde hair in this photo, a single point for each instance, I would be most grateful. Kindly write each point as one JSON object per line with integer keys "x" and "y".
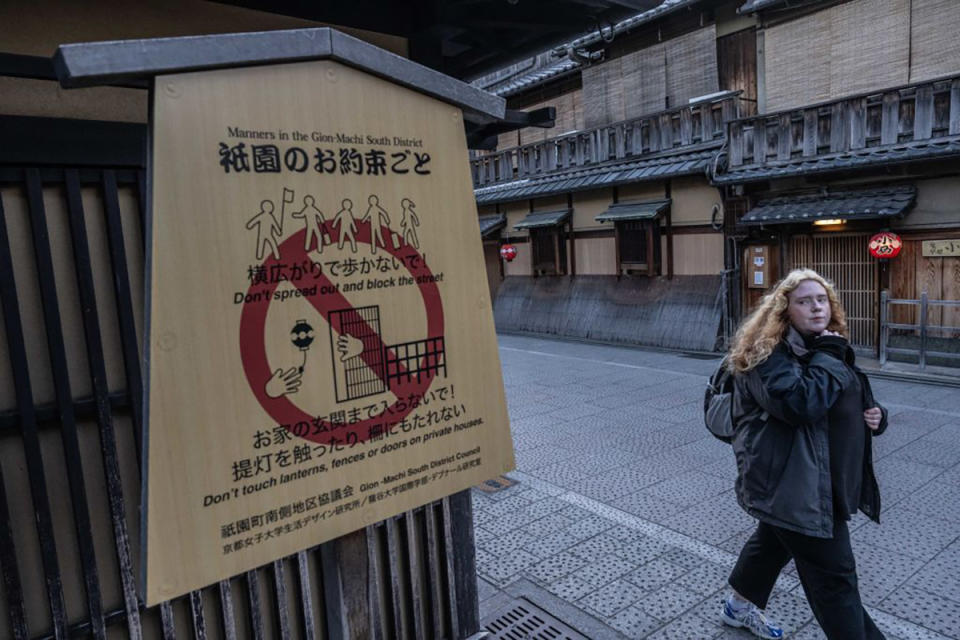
{"x": 768, "y": 323}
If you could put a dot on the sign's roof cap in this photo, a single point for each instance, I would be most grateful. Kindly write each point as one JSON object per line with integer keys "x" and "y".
{"x": 135, "y": 61}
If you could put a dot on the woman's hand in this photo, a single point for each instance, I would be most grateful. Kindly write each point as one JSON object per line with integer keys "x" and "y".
{"x": 826, "y": 332}
{"x": 872, "y": 417}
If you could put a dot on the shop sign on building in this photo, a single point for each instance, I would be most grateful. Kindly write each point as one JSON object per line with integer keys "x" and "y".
{"x": 947, "y": 248}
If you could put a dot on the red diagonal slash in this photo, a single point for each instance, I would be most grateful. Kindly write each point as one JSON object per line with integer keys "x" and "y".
{"x": 253, "y": 346}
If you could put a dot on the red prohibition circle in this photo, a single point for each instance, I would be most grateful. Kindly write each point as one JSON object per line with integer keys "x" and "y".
{"x": 253, "y": 352}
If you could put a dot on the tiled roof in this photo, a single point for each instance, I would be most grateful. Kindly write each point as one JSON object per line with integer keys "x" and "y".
{"x": 860, "y": 158}
{"x": 490, "y": 224}
{"x": 861, "y": 204}
{"x": 644, "y": 210}
{"x": 537, "y": 219}
{"x": 537, "y": 75}
{"x": 608, "y": 175}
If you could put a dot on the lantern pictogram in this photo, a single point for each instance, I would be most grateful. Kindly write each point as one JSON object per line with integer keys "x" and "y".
{"x": 885, "y": 245}
{"x": 302, "y": 337}
{"x": 508, "y": 252}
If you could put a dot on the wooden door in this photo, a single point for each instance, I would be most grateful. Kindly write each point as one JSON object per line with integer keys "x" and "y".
{"x": 844, "y": 260}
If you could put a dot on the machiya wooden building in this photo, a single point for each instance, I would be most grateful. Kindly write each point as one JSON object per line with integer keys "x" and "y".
{"x": 700, "y": 150}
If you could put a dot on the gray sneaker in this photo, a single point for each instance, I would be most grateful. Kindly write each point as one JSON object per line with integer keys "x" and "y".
{"x": 752, "y": 619}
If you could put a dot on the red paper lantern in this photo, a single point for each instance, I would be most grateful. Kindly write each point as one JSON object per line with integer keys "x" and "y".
{"x": 885, "y": 245}
{"x": 508, "y": 252}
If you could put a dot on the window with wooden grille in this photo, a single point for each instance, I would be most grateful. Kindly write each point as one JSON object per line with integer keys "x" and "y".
{"x": 638, "y": 244}
{"x": 549, "y": 251}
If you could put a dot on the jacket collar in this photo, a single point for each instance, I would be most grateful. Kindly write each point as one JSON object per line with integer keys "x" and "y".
{"x": 796, "y": 343}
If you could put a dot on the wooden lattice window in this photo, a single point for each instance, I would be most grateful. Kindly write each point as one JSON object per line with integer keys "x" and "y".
{"x": 638, "y": 244}
{"x": 549, "y": 251}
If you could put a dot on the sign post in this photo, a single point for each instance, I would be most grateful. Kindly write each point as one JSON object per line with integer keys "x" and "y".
{"x": 320, "y": 349}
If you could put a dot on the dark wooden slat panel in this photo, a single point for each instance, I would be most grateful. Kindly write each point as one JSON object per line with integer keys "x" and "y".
{"x": 280, "y": 598}
{"x": 98, "y": 376}
{"x": 414, "y": 575}
{"x": 375, "y": 600}
{"x": 196, "y": 615}
{"x": 253, "y": 596}
{"x": 463, "y": 584}
{"x": 8, "y": 552}
{"x": 125, "y": 314}
{"x": 396, "y": 579}
{"x": 226, "y": 607}
{"x": 169, "y": 629}
{"x": 306, "y": 597}
{"x": 68, "y": 425}
{"x": 435, "y": 569}
{"x": 31, "y": 441}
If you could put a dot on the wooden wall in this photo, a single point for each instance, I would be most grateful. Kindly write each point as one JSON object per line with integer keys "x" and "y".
{"x": 587, "y": 205}
{"x": 737, "y": 67}
{"x": 596, "y": 256}
{"x": 911, "y": 273}
{"x": 696, "y": 254}
{"x": 693, "y": 201}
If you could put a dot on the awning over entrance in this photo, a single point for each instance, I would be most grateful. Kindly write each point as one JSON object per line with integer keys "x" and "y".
{"x": 638, "y": 210}
{"x": 491, "y": 224}
{"x": 538, "y": 219}
{"x": 862, "y": 204}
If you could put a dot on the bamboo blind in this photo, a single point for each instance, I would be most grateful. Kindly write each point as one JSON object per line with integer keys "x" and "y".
{"x": 602, "y": 94}
{"x": 644, "y": 81}
{"x": 692, "y": 66}
{"x": 934, "y": 42}
{"x": 651, "y": 79}
{"x": 843, "y": 259}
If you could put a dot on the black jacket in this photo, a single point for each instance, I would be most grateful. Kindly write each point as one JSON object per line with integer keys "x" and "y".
{"x": 781, "y": 438}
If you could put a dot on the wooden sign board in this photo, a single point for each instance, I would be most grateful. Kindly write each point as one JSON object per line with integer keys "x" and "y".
{"x": 321, "y": 348}
{"x": 947, "y": 248}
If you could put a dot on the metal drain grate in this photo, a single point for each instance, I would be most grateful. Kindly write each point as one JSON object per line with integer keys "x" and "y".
{"x": 526, "y": 621}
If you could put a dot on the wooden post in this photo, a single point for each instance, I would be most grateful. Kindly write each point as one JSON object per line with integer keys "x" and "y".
{"x": 649, "y": 227}
{"x": 573, "y": 249}
{"x": 884, "y": 329}
{"x": 923, "y": 113}
{"x": 736, "y": 143}
{"x": 923, "y": 329}
{"x": 669, "y": 220}
{"x": 890, "y": 118}
{"x": 616, "y": 250}
{"x": 810, "y": 131}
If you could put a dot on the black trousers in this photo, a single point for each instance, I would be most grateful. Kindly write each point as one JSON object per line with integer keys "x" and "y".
{"x": 827, "y": 571}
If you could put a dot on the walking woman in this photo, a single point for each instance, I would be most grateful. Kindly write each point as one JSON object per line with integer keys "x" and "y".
{"x": 804, "y": 415}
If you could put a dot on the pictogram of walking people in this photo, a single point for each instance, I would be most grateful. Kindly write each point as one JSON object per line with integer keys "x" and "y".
{"x": 313, "y": 221}
{"x": 319, "y": 232}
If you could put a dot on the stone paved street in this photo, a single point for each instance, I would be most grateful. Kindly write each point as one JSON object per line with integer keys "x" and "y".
{"x": 624, "y": 505}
